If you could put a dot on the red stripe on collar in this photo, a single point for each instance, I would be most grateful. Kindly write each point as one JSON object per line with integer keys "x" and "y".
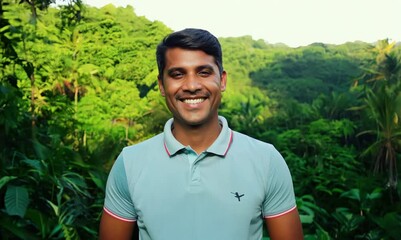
{"x": 165, "y": 147}
{"x": 229, "y": 143}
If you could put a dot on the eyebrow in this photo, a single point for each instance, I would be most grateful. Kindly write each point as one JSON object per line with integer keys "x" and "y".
{"x": 206, "y": 66}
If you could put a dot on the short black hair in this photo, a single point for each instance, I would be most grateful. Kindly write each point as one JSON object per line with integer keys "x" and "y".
{"x": 191, "y": 39}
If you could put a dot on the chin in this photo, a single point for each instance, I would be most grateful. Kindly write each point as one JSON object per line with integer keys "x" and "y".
{"x": 192, "y": 121}
{"x": 195, "y": 119}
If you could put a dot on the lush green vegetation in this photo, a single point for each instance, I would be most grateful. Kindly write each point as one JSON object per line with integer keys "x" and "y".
{"x": 79, "y": 83}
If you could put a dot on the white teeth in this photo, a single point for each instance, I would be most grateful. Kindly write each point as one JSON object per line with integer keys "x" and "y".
{"x": 194, "y": 101}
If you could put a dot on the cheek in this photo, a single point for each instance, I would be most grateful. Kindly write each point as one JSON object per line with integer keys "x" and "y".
{"x": 217, "y": 85}
{"x": 171, "y": 88}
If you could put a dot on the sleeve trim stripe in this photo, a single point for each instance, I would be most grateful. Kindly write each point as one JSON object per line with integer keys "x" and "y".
{"x": 118, "y": 217}
{"x": 281, "y": 214}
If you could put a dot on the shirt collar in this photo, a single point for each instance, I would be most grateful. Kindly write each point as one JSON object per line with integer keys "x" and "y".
{"x": 219, "y": 147}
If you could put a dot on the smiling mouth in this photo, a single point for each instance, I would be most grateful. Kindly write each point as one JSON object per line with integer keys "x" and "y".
{"x": 194, "y": 101}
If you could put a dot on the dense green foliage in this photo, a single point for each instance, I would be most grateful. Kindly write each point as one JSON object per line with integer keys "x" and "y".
{"x": 79, "y": 83}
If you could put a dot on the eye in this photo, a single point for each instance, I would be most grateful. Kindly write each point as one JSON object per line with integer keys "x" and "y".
{"x": 176, "y": 74}
{"x": 205, "y": 73}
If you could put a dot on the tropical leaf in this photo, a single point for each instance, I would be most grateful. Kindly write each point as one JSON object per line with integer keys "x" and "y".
{"x": 376, "y": 194}
{"x": 75, "y": 182}
{"x": 54, "y": 207}
{"x": 352, "y": 194}
{"x": 39, "y": 219}
{"x": 7, "y": 223}
{"x": 16, "y": 200}
{"x": 41, "y": 150}
{"x": 70, "y": 233}
{"x": 96, "y": 177}
{"x": 391, "y": 223}
{"x": 4, "y": 180}
{"x": 36, "y": 165}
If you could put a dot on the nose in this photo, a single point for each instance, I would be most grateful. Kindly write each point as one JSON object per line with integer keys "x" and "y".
{"x": 192, "y": 83}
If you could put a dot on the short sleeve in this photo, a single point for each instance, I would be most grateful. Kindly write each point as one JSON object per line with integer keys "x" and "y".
{"x": 279, "y": 198}
{"x": 118, "y": 202}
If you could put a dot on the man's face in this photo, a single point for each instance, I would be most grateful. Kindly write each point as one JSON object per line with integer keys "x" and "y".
{"x": 192, "y": 86}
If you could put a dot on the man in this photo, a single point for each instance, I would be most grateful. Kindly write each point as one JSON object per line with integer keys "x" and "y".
{"x": 198, "y": 180}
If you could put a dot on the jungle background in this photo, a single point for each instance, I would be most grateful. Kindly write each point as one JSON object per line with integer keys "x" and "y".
{"x": 78, "y": 83}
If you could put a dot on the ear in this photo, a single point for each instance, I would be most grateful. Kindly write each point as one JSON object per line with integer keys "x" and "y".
{"x": 161, "y": 86}
{"x": 223, "y": 81}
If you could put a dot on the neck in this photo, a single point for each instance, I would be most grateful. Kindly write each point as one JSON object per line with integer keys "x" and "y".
{"x": 199, "y": 137}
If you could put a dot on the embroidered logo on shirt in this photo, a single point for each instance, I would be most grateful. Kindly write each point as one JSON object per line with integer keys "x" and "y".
{"x": 237, "y": 195}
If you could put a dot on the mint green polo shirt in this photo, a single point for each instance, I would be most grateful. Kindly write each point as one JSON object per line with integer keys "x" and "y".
{"x": 223, "y": 193}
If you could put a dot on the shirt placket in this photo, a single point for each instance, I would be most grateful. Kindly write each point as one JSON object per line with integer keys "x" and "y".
{"x": 195, "y": 174}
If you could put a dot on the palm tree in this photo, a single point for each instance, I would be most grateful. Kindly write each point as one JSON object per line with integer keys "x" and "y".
{"x": 383, "y": 105}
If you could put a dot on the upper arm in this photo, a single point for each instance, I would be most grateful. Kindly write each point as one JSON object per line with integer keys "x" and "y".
{"x": 279, "y": 208}
{"x": 279, "y": 193}
{"x": 113, "y": 228}
{"x": 118, "y": 200}
{"x": 285, "y": 227}
{"x": 119, "y": 216}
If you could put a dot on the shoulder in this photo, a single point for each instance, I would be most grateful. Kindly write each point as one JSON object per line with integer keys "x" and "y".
{"x": 263, "y": 156}
{"x": 152, "y": 144}
{"x": 140, "y": 153}
{"x": 133, "y": 159}
{"x": 242, "y": 142}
